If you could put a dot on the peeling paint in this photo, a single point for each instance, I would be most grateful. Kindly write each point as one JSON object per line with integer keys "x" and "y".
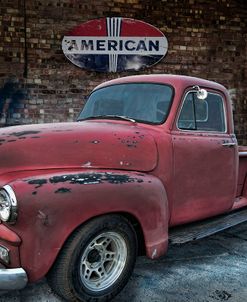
{"x": 87, "y": 164}
{"x": 95, "y": 142}
{"x": 63, "y": 190}
{"x": 154, "y": 253}
{"x": 22, "y": 133}
{"x": 59, "y": 130}
{"x": 130, "y": 143}
{"x": 37, "y": 182}
{"x": 43, "y": 217}
{"x": 94, "y": 178}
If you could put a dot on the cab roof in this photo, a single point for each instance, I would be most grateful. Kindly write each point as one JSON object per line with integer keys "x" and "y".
{"x": 177, "y": 81}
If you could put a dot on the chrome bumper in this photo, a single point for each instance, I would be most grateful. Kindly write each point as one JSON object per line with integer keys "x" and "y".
{"x": 13, "y": 278}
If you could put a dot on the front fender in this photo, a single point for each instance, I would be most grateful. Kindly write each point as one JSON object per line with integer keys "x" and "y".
{"x": 53, "y": 205}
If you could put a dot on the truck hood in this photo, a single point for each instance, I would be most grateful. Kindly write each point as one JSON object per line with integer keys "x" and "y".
{"x": 88, "y": 144}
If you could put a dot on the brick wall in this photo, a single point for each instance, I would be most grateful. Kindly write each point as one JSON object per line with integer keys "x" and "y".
{"x": 207, "y": 38}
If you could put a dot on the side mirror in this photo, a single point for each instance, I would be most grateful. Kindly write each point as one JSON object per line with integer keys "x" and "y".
{"x": 200, "y": 93}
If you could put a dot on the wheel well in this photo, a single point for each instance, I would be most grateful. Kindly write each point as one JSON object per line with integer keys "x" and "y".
{"x": 139, "y": 233}
{"x": 135, "y": 224}
{"x": 131, "y": 219}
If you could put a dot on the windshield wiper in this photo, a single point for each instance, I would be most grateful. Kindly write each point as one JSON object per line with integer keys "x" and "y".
{"x": 109, "y": 116}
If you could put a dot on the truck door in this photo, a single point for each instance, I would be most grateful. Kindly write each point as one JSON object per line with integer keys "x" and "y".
{"x": 205, "y": 159}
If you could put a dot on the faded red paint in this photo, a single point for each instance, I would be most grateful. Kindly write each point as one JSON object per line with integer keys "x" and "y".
{"x": 66, "y": 174}
{"x": 77, "y": 145}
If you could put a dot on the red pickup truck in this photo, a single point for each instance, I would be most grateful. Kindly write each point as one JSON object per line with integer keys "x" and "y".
{"x": 151, "y": 160}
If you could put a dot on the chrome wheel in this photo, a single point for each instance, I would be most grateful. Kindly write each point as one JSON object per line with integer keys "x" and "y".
{"x": 96, "y": 261}
{"x": 103, "y": 261}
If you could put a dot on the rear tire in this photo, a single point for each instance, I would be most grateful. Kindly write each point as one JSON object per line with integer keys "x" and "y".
{"x": 96, "y": 261}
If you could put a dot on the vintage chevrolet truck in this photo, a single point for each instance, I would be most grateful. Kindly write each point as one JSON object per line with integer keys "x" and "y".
{"x": 152, "y": 160}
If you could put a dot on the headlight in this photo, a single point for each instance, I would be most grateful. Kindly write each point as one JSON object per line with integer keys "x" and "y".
{"x": 8, "y": 204}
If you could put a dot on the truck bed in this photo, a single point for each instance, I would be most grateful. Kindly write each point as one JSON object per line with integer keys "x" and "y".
{"x": 242, "y": 177}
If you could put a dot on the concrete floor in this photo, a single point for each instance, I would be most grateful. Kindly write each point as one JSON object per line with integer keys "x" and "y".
{"x": 210, "y": 270}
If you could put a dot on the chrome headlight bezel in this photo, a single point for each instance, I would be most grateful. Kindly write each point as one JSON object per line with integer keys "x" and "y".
{"x": 11, "y": 207}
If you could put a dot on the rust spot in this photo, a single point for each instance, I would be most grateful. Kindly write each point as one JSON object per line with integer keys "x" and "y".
{"x": 22, "y": 133}
{"x": 95, "y": 142}
{"x": 94, "y": 178}
{"x": 130, "y": 143}
{"x": 43, "y": 217}
{"x": 63, "y": 190}
{"x": 60, "y": 130}
{"x": 87, "y": 164}
{"x": 37, "y": 182}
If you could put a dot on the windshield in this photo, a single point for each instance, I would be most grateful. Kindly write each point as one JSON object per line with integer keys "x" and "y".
{"x": 142, "y": 102}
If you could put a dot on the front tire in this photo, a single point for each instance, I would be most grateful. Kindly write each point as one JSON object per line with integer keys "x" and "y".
{"x": 96, "y": 261}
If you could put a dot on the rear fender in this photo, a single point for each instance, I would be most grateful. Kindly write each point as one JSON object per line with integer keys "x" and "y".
{"x": 52, "y": 206}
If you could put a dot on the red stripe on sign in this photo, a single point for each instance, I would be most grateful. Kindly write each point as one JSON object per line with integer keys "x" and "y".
{"x": 95, "y": 28}
{"x": 136, "y": 28}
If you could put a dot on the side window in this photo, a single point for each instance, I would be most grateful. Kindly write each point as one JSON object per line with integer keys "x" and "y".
{"x": 202, "y": 115}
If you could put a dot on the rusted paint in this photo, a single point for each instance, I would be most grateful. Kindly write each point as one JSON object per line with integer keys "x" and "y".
{"x": 129, "y": 143}
{"x": 95, "y": 142}
{"x": 37, "y": 182}
{"x": 63, "y": 190}
{"x": 166, "y": 164}
{"x": 94, "y": 178}
{"x": 87, "y": 164}
{"x": 43, "y": 217}
{"x": 74, "y": 148}
{"x": 22, "y": 133}
{"x": 65, "y": 130}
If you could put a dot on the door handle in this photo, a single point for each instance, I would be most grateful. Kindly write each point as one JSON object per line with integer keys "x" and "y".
{"x": 229, "y": 145}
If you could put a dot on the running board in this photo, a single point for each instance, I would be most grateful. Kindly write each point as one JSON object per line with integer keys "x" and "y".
{"x": 201, "y": 229}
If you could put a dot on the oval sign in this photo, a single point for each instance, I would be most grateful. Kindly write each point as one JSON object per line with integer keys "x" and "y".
{"x": 115, "y": 44}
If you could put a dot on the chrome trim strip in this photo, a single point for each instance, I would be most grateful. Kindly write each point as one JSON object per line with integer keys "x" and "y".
{"x": 12, "y": 279}
{"x": 242, "y": 154}
{"x": 12, "y": 196}
{"x": 4, "y": 247}
{"x": 14, "y": 206}
{"x": 229, "y": 144}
